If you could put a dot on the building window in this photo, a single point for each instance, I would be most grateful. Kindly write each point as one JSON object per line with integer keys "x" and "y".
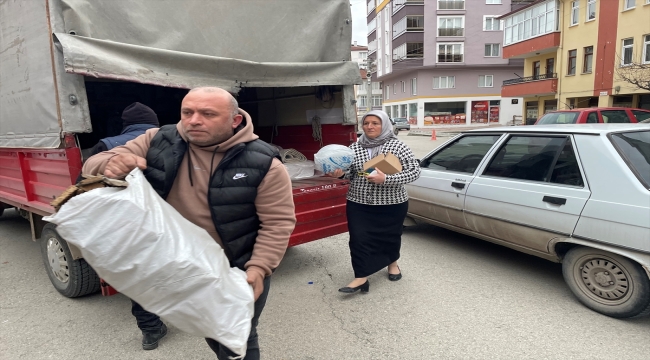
{"x": 550, "y": 67}
{"x": 536, "y": 69}
{"x": 485, "y": 80}
{"x": 362, "y": 101}
{"x": 363, "y": 55}
{"x": 537, "y": 20}
{"x": 407, "y": 24}
{"x": 394, "y": 89}
{"x": 414, "y": 86}
{"x": 403, "y": 86}
{"x": 628, "y": 48}
{"x": 491, "y": 23}
{"x": 589, "y": 56}
{"x": 415, "y": 23}
{"x": 376, "y": 86}
{"x": 372, "y": 26}
{"x": 629, "y": 4}
{"x": 493, "y": 1}
{"x": 444, "y": 82}
{"x": 450, "y": 53}
{"x": 408, "y": 50}
{"x": 492, "y": 50}
{"x": 591, "y": 9}
{"x": 450, "y": 26}
{"x": 575, "y": 12}
{"x": 376, "y": 100}
{"x": 387, "y": 93}
{"x": 646, "y": 48}
{"x": 572, "y": 62}
{"x": 451, "y": 4}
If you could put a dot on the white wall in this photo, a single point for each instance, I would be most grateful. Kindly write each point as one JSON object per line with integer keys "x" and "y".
{"x": 508, "y": 110}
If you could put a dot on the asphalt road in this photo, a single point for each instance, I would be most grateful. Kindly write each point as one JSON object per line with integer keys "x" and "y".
{"x": 460, "y": 298}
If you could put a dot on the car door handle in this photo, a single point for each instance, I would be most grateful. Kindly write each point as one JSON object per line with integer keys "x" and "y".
{"x": 554, "y": 200}
{"x": 457, "y": 185}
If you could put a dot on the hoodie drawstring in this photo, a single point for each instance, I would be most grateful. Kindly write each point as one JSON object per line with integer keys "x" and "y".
{"x": 212, "y": 160}
{"x": 189, "y": 166}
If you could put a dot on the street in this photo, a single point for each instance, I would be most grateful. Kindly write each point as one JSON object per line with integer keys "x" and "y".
{"x": 460, "y": 298}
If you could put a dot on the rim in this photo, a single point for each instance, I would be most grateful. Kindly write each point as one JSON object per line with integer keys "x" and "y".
{"x": 57, "y": 260}
{"x": 603, "y": 279}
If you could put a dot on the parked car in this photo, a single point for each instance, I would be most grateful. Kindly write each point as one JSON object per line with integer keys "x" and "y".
{"x": 594, "y": 116}
{"x": 401, "y": 124}
{"x": 575, "y": 194}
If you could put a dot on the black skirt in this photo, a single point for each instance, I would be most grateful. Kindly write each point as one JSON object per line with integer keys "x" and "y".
{"x": 375, "y": 235}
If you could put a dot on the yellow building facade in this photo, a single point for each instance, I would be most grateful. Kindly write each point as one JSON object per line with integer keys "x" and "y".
{"x": 574, "y": 51}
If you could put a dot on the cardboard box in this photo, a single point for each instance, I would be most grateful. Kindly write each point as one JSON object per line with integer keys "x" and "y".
{"x": 389, "y": 164}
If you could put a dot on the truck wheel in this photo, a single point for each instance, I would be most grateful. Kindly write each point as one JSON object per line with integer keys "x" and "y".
{"x": 72, "y": 278}
{"x": 607, "y": 283}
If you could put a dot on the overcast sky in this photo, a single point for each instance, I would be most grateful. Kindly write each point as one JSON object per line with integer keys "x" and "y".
{"x": 359, "y": 25}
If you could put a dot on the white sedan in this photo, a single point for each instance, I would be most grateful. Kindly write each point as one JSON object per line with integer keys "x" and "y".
{"x": 575, "y": 194}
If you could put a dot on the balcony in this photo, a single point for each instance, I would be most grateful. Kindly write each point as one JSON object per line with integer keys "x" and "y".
{"x": 451, "y": 32}
{"x": 532, "y": 47}
{"x": 541, "y": 85}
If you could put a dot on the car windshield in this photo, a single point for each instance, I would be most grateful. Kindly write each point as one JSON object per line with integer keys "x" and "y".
{"x": 400, "y": 120}
{"x": 634, "y": 147}
{"x": 568, "y": 117}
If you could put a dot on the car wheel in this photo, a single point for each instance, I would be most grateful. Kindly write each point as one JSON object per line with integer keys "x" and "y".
{"x": 607, "y": 283}
{"x": 395, "y": 131}
{"x": 72, "y": 278}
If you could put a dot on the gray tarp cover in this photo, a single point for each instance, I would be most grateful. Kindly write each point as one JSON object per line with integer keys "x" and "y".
{"x": 250, "y": 43}
{"x": 28, "y": 111}
{"x": 178, "y": 43}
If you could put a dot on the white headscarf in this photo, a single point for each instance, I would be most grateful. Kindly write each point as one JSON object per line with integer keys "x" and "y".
{"x": 386, "y": 133}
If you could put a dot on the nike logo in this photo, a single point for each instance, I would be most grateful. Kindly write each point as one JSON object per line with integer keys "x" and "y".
{"x": 239, "y": 176}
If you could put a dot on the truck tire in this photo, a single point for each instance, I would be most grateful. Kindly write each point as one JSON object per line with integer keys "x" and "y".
{"x": 72, "y": 278}
{"x": 607, "y": 283}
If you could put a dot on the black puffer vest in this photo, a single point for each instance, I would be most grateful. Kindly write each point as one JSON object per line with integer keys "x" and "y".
{"x": 232, "y": 191}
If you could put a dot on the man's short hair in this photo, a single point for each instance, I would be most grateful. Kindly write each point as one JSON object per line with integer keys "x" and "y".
{"x": 211, "y": 89}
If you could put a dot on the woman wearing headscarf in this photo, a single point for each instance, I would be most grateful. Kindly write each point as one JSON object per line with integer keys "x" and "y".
{"x": 376, "y": 202}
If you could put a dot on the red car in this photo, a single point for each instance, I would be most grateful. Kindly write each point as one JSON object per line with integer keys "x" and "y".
{"x": 594, "y": 116}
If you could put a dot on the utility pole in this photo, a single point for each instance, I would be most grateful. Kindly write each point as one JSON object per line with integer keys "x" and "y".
{"x": 368, "y": 83}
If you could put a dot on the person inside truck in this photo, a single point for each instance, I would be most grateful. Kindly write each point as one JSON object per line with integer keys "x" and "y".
{"x": 376, "y": 203}
{"x": 136, "y": 119}
{"x": 215, "y": 171}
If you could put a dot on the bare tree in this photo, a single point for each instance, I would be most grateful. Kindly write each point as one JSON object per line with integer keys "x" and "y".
{"x": 635, "y": 73}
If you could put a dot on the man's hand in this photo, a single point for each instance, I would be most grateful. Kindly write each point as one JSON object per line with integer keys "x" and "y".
{"x": 377, "y": 178}
{"x": 257, "y": 281}
{"x": 121, "y": 165}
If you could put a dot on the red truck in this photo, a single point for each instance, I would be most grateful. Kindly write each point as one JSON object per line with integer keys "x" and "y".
{"x": 69, "y": 68}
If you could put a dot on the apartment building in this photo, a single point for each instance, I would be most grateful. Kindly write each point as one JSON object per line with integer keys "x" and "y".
{"x": 368, "y": 95}
{"x": 574, "y": 53}
{"x": 440, "y": 62}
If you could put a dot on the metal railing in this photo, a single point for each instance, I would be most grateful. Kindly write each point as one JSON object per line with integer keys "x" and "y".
{"x": 530, "y": 78}
{"x": 451, "y": 32}
{"x": 451, "y": 5}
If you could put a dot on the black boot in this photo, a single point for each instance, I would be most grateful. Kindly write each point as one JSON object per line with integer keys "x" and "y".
{"x": 150, "y": 338}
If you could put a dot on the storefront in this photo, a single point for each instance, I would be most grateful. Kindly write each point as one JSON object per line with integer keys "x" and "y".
{"x": 532, "y": 112}
{"x": 445, "y": 113}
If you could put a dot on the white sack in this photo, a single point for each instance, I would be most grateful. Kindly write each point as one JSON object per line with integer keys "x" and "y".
{"x": 333, "y": 157}
{"x": 146, "y": 250}
{"x": 300, "y": 169}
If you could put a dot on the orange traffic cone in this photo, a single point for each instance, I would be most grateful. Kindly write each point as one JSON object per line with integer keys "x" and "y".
{"x": 433, "y": 135}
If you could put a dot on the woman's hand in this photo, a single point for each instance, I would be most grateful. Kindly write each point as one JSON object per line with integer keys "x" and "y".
{"x": 336, "y": 173}
{"x": 377, "y": 178}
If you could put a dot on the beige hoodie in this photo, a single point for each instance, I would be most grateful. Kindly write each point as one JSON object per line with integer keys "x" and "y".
{"x": 274, "y": 201}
